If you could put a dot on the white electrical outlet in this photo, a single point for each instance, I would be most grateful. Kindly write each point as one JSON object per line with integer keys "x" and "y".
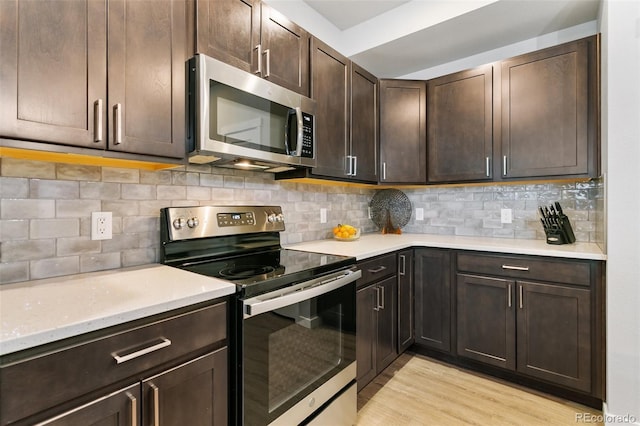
{"x": 323, "y": 215}
{"x": 101, "y": 226}
{"x": 506, "y": 216}
{"x": 419, "y": 213}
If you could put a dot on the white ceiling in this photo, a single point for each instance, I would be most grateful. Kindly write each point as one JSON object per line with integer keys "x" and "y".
{"x": 414, "y": 38}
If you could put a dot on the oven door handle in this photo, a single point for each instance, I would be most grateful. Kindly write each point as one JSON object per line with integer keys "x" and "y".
{"x": 299, "y": 292}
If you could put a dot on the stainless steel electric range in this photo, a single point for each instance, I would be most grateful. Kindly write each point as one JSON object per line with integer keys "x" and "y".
{"x": 293, "y": 318}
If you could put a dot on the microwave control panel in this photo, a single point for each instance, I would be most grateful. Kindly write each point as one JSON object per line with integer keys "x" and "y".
{"x": 307, "y": 135}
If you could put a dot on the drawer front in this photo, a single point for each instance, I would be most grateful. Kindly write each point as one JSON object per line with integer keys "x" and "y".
{"x": 377, "y": 268}
{"x": 42, "y": 382}
{"x": 526, "y": 267}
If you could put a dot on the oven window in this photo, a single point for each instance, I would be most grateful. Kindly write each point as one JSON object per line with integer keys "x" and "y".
{"x": 290, "y": 352}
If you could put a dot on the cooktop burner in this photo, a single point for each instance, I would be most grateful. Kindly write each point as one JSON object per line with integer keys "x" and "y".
{"x": 248, "y": 271}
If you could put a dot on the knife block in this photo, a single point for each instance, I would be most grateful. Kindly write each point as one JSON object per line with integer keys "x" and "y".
{"x": 556, "y": 226}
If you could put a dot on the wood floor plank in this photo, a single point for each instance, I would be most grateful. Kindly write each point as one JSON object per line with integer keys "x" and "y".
{"x": 416, "y": 390}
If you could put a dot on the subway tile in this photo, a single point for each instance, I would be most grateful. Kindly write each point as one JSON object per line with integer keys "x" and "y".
{"x": 99, "y": 262}
{"x": 77, "y": 208}
{"x": 121, "y": 207}
{"x": 29, "y": 169}
{"x": 54, "y": 228}
{"x": 110, "y": 174}
{"x": 78, "y": 172}
{"x": 76, "y": 246}
{"x": 14, "y": 230}
{"x": 53, "y": 189}
{"x": 161, "y": 177}
{"x": 233, "y": 182}
{"x": 136, "y": 257}
{"x": 138, "y": 192}
{"x": 55, "y": 267}
{"x": 198, "y": 193}
{"x": 15, "y": 251}
{"x": 99, "y": 190}
{"x": 14, "y": 187}
{"x": 169, "y": 192}
{"x": 152, "y": 207}
{"x": 14, "y": 272}
{"x": 222, "y": 194}
{"x": 131, "y": 225}
{"x": 27, "y": 209}
{"x": 212, "y": 180}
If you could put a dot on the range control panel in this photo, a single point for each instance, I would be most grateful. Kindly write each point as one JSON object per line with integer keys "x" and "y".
{"x": 212, "y": 221}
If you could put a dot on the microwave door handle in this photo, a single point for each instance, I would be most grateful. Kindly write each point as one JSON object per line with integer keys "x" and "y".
{"x": 298, "y": 151}
{"x": 287, "y": 132}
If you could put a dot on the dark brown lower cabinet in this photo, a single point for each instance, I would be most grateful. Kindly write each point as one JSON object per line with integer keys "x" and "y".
{"x": 486, "y": 320}
{"x": 433, "y": 298}
{"x": 406, "y": 313}
{"x": 376, "y": 317}
{"x": 540, "y": 329}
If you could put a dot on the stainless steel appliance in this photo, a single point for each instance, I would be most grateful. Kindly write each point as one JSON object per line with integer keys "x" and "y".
{"x": 237, "y": 119}
{"x": 293, "y": 322}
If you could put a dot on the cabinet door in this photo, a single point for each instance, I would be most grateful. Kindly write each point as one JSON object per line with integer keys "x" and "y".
{"x": 229, "y": 30}
{"x": 365, "y": 335}
{"x": 194, "y": 393}
{"x": 53, "y": 71}
{"x": 121, "y": 408}
{"x": 486, "y": 320}
{"x": 364, "y": 124}
{"x": 285, "y": 50}
{"x": 460, "y": 126}
{"x": 330, "y": 89}
{"x": 146, "y": 56}
{"x": 387, "y": 323}
{"x": 433, "y": 298}
{"x": 406, "y": 336}
{"x": 554, "y": 334}
{"x": 549, "y": 120}
{"x": 403, "y": 142}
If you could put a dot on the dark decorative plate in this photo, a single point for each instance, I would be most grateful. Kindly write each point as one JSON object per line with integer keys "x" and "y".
{"x": 390, "y": 205}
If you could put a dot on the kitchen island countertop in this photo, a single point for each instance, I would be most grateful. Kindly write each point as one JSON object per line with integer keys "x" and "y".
{"x": 374, "y": 244}
{"x": 34, "y": 313}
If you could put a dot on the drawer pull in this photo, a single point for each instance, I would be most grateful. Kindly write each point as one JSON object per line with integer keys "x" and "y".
{"x": 124, "y": 358}
{"x": 515, "y": 268}
{"x": 156, "y": 404}
{"x": 378, "y": 269}
{"x": 404, "y": 264}
{"x": 134, "y": 409}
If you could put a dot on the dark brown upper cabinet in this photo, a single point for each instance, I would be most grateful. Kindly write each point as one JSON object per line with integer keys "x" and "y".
{"x": 403, "y": 142}
{"x": 74, "y": 77}
{"x": 460, "y": 126}
{"x": 254, "y": 37}
{"x": 346, "y": 131}
{"x": 550, "y": 109}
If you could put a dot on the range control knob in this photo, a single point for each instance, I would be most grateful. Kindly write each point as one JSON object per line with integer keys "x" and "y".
{"x": 193, "y": 222}
{"x": 179, "y": 223}
{"x": 271, "y": 218}
{"x": 279, "y": 217}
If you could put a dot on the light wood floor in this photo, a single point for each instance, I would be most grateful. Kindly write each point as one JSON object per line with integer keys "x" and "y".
{"x": 416, "y": 390}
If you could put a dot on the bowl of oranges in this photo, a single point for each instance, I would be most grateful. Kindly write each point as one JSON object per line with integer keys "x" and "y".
{"x": 346, "y": 233}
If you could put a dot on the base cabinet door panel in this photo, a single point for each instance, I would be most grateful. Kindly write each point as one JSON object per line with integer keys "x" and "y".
{"x": 486, "y": 320}
{"x": 554, "y": 337}
{"x": 365, "y": 335}
{"x": 387, "y": 323}
{"x": 406, "y": 312}
{"x": 433, "y": 298}
{"x": 120, "y": 408}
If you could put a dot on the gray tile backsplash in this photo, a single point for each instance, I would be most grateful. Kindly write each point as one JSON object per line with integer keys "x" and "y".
{"x": 45, "y": 211}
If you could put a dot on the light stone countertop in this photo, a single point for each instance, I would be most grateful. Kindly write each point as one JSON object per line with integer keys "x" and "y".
{"x": 370, "y": 245}
{"x": 33, "y": 313}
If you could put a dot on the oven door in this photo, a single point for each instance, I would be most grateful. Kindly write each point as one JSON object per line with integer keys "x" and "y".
{"x": 298, "y": 349}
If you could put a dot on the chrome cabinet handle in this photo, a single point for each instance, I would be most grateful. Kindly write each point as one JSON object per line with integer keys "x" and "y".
{"x": 259, "y": 58}
{"x": 384, "y": 170}
{"x": 117, "y": 124}
{"x": 378, "y": 269}
{"x": 382, "y": 297}
{"x": 488, "y": 166}
{"x": 97, "y": 120}
{"x": 404, "y": 265}
{"x": 509, "y": 296}
{"x": 349, "y": 165}
{"x": 355, "y": 165}
{"x": 515, "y": 268}
{"x": 521, "y": 297}
{"x": 134, "y": 409}
{"x": 124, "y": 358}
{"x": 504, "y": 165}
{"x": 156, "y": 404}
{"x": 267, "y": 53}
{"x": 377, "y": 305}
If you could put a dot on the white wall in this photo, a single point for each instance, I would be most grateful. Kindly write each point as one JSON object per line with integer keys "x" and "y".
{"x": 620, "y": 27}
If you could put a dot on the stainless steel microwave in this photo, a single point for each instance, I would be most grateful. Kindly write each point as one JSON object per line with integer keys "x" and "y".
{"x": 237, "y": 119}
